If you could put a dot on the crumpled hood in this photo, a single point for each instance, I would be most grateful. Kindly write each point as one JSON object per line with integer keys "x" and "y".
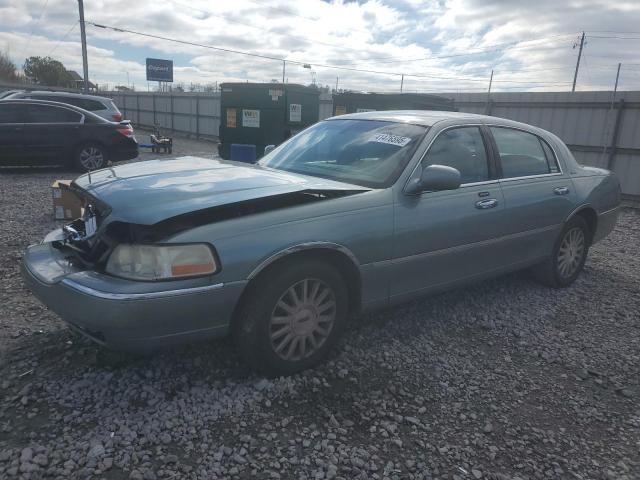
{"x": 148, "y": 192}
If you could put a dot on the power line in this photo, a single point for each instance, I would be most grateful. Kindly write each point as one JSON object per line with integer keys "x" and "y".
{"x": 267, "y": 30}
{"x": 295, "y": 62}
{"x": 184, "y": 42}
{"x": 62, "y": 39}
{"x": 615, "y": 37}
{"x": 486, "y": 49}
{"x": 33, "y": 27}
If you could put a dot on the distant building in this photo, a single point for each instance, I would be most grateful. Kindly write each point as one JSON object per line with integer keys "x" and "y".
{"x": 79, "y": 81}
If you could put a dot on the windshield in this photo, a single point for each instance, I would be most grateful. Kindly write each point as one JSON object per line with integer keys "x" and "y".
{"x": 363, "y": 152}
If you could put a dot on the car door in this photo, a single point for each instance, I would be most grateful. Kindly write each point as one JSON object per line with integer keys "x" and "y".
{"x": 538, "y": 195}
{"x": 50, "y": 133}
{"x": 445, "y": 237}
{"x": 12, "y": 117}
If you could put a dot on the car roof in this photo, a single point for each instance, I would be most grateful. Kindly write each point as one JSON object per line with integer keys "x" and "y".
{"x": 425, "y": 118}
{"x": 64, "y": 94}
{"x": 82, "y": 111}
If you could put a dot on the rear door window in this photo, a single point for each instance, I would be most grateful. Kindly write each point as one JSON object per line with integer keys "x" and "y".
{"x": 463, "y": 149}
{"x": 12, "y": 113}
{"x": 523, "y": 154}
{"x": 51, "y": 114}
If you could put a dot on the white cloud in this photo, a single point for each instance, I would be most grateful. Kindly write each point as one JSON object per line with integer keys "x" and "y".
{"x": 374, "y": 35}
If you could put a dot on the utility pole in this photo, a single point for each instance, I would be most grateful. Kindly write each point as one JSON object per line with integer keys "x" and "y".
{"x": 575, "y": 75}
{"x": 486, "y": 108}
{"x": 401, "y": 82}
{"x": 284, "y": 63}
{"x": 613, "y": 100}
{"x": 337, "y": 78}
{"x": 615, "y": 88}
{"x": 83, "y": 38}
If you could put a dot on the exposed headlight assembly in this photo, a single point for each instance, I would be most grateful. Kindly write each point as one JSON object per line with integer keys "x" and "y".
{"x": 161, "y": 262}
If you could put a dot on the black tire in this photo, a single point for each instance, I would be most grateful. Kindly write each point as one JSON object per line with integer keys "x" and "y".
{"x": 99, "y": 160}
{"x": 254, "y": 328}
{"x": 550, "y": 272}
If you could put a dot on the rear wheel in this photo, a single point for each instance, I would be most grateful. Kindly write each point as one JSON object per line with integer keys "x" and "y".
{"x": 91, "y": 156}
{"x": 293, "y": 316}
{"x": 568, "y": 257}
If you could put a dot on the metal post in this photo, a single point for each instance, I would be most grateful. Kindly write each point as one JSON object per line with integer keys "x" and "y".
{"x": 575, "y": 75}
{"x": 337, "y": 78}
{"x": 138, "y": 108}
{"x": 613, "y": 99}
{"x": 172, "y": 112}
{"x": 401, "y": 82}
{"x": 284, "y": 63}
{"x": 153, "y": 97}
{"x": 616, "y": 133}
{"x": 83, "y": 39}
{"x": 487, "y": 107}
{"x": 198, "y": 116}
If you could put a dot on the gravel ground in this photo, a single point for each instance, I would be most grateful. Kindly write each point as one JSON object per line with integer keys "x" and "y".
{"x": 502, "y": 380}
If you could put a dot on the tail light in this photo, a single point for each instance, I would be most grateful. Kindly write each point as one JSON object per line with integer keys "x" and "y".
{"x": 126, "y": 131}
{"x": 117, "y": 117}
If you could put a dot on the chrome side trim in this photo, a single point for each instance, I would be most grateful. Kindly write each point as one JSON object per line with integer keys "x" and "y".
{"x": 466, "y": 246}
{"x": 611, "y": 210}
{"x": 525, "y": 177}
{"x": 138, "y": 296}
{"x": 301, "y": 247}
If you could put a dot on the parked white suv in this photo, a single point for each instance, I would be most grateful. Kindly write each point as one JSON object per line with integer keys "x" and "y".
{"x": 101, "y": 106}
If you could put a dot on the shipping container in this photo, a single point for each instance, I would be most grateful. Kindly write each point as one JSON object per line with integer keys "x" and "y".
{"x": 352, "y": 102}
{"x": 264, "y": 114}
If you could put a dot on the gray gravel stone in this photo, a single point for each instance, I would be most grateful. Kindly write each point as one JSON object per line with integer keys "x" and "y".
{"x": 499, "y": 379}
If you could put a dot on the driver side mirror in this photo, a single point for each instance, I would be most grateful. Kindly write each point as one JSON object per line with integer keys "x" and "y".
{"x": 434, "y": 178}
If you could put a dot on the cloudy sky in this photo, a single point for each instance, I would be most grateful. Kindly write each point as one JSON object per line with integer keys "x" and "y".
{"x": 443, "y": 45}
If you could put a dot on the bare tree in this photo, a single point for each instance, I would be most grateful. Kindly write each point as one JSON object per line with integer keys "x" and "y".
{"x": 7, "y": 68}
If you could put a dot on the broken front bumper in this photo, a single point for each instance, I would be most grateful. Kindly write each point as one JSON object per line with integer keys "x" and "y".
{"x": 124, "y": 314}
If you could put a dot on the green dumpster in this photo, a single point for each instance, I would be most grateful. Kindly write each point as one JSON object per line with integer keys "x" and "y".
{"x": 264, "y": 114}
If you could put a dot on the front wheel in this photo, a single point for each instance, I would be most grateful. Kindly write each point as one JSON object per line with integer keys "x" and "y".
{"x": 568, "y": 257}
{"x": 91, "y": 156}
{"x": 293, "y": 316}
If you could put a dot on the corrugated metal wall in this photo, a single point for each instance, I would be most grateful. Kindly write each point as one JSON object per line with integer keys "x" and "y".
{"x": 585, "y": 121}
{"x": 191, "y": 113}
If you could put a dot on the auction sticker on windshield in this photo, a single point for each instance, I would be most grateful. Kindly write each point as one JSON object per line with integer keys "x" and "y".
{"x": 391, "y": 139}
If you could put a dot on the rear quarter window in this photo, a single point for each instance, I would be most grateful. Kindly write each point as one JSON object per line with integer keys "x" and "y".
{"x": 92, "y": 105}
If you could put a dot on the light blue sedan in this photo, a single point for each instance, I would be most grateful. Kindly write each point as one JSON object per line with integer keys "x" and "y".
{"x": 354, "y": 213}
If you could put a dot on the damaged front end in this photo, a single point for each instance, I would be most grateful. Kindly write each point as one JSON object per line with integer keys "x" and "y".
{"x": 92, "y": 238}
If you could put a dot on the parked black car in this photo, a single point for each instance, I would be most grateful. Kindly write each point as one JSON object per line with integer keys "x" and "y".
{"x": 38, "y": 132}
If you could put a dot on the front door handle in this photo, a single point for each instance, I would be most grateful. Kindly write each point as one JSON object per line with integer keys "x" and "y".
{"x": 488, "y": 203}
{"x": 561, "y": 190}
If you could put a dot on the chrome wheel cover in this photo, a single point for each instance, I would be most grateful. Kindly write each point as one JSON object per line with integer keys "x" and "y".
{"x": 570, "y": 253}
{"x": 302, "y": 319}
{"x": 91, "y": 158}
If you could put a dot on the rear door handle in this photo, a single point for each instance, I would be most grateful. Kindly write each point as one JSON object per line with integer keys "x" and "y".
{"x": 488, "y": 203}
{"x": 561, "y": 190}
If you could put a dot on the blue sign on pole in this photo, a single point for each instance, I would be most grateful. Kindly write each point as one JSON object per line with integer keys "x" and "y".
{"x": 159, "y": 70}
